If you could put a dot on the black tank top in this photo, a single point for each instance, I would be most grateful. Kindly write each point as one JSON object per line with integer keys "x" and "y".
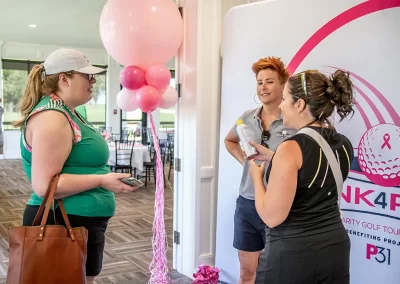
{"x": 315, "y": 209}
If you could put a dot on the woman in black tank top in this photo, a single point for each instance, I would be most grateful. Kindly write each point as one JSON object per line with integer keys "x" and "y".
{"x": 306, "y": 242}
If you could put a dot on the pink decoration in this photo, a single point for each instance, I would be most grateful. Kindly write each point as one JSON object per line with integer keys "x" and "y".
{"x": 169, "y": 98}
{"x": 106, "y": 136}
{"x": 206, "y": 274}
{"x": 163, "y": 89}
{"x": 132, "y": 77}
{"x": 159, "y": 264}
{"x": 141, "y": 33}
{"x": 126, "y": 100}
{"x": 147, "y": 98}
{"x": 158, "y": 76}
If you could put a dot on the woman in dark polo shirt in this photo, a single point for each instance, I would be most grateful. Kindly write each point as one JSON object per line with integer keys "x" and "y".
{"x": 265, "y": 122}
{"x": 306, "y": 242}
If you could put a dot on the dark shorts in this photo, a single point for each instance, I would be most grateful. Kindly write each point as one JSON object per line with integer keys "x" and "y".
{"x": 323, "y": 258}
{"x": 96, "y": 227}
{"x": 249, "y": 232}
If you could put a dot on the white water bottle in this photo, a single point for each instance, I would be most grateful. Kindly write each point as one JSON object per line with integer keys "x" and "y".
{"x": 245, "y": 136}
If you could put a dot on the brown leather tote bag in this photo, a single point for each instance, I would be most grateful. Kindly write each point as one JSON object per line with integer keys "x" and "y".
{"x": 47, "y": 254}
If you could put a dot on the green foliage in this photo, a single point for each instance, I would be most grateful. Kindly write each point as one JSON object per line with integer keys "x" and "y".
{"x": 100, "y": 87}
{"x": 14, "y": 82}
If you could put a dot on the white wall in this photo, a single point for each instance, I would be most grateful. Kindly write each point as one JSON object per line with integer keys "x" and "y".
{"x": 11, "y": 142}
{"x": 198, "y": 111}
{"x": 198, "y": 122}
{"x": 113, "y": 88}
{"x": 1, "y": 67}
{"x": 39, "y": 52}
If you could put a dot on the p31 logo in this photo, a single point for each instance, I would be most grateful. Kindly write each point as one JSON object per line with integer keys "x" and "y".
{"x": 380, "y": 254}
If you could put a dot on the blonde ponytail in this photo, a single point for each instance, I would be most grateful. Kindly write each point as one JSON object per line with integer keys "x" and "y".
{"x": 32, "y": 94}
{"x": 36, "y": 87}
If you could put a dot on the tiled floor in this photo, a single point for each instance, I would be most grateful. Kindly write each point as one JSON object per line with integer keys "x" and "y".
{"x": 128, "y": 239}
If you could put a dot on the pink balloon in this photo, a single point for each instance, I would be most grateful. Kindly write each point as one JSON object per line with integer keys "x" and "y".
{"x": 147, "y": 98}
{"x": 163, "y": 89}
{"x": 126, "y": 100}
{"x": 141, "y": 33}
{"x": 158, "y": 76}
{"x": 132, "y": 77}
{"x": 169, "y": 98}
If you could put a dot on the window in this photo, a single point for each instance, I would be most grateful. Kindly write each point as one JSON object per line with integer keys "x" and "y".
{"x": 131, "y": 119}
{"x": 96, "y": 107}
{"x": 167, "y": 116}
{"x": 133, "y": 122}
{"x": 15, "y": 74}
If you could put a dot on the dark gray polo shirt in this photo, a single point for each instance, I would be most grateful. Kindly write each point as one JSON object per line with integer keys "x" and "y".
{"x": 278, "y": 134}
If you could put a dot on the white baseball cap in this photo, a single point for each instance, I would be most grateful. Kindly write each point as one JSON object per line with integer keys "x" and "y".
{"x": 65, "y": 60}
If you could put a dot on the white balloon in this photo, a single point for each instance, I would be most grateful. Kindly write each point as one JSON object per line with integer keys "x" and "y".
{"x": 169, "y": 98}
{"x": 126, "y": 100}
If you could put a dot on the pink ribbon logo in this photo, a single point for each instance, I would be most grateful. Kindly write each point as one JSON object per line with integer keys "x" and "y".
{"x": 386, "y": 139}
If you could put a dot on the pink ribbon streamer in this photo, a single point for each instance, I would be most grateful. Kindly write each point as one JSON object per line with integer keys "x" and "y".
{"x": 159, "y": 264}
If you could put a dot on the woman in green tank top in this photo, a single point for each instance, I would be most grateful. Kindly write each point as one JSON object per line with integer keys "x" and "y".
{"x": 56, "y": 139}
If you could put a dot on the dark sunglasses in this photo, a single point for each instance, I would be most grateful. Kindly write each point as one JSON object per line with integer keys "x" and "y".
{"x": 265, "y": 135}
{"x": 90, "y": 77}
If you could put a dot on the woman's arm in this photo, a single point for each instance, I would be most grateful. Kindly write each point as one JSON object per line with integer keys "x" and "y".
{"x": 273, "y": 205}
{"x": 233, "y": 146}
{"x": 50, "y": 136}
{"x": 264, "y": 154}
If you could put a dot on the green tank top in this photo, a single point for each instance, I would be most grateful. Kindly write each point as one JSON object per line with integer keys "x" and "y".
{"x": 89, "y": 155}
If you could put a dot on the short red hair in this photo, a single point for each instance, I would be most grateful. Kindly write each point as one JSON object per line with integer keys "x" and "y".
{"x": 273, "y": 63}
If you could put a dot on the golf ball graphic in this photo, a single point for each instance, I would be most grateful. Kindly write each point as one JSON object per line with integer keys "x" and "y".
{"x": 379, "y": 154}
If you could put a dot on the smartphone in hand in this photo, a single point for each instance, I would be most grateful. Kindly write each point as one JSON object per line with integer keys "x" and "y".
{"x": 132, "y": 181}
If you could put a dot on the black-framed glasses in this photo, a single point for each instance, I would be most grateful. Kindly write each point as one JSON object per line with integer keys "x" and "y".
{"x": 90, "y": 77}
{"x": 265, "y": 135}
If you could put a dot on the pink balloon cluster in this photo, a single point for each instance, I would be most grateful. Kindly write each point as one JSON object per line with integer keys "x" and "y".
{"x": 146, "y": 90}
{"x": 142, "y": 36}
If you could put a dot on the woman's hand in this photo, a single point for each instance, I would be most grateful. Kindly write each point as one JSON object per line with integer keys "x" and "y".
{"x": 112, "y": 182}
{"x": 256, "y": 171}
{"x": 264, "y": 154}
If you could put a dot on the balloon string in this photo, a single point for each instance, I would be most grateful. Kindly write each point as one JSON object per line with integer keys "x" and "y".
{"x": 159, "y": 264}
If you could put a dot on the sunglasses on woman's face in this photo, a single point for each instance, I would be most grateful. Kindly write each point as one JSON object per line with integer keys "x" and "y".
{"x": 90, "y": 77}
{"x": 265, "y": 135}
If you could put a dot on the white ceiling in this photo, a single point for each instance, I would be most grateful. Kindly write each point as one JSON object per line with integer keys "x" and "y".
{"x": 59, "y": 22}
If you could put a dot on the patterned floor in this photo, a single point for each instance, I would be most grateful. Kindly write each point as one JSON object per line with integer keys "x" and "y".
{"x": 128, "y": 239}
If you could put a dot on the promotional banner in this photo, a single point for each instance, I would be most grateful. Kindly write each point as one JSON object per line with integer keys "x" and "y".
{"x": 371, "y": 195}
{"x": 363, "y": 38}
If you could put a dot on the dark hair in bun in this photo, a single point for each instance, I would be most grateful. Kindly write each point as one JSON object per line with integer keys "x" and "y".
{"x": 323, "y": 94}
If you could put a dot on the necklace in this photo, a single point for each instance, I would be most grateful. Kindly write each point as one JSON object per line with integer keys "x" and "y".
{"x": 308, "y": 124}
